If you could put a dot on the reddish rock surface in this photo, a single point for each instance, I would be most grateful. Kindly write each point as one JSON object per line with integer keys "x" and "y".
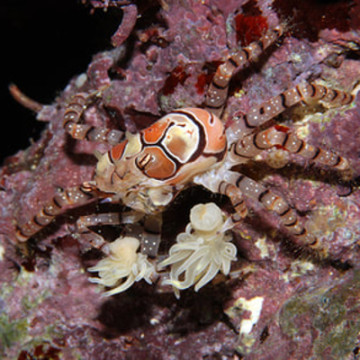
{"x": 280, "y": 302}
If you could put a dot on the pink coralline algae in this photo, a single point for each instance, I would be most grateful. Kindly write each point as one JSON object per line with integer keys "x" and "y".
{"x": 280, "y": 300}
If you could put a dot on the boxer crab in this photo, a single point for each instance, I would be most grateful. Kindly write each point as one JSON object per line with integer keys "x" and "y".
{"x": 145, "y": 171}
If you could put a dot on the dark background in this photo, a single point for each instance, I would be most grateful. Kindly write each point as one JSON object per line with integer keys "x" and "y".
{"x": 44, "y": 44}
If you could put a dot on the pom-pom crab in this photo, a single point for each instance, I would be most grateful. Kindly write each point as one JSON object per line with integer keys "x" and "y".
{"x": 191, "y": 146}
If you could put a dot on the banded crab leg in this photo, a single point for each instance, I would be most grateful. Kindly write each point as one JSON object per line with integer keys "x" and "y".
{"x": 226, "y": 182}
{"x": 217, "y": 93}
{"x": 281, "y": 136}
{"x": 151, "y": 236}
{"x": 73, "y": 115}
{"x": 74, "y": 196}
{"x": 236, "y": 197}
{"x": 85, "y": 222}
{"x": 275, "y": 203}
{"x": 306, "y": 92}
{"x": 149, "y": 233}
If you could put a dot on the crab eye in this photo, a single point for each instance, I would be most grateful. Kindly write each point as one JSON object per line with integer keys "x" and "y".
{"x": 143, "y": 161}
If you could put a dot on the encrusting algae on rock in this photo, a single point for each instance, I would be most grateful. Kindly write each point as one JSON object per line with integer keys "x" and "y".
{"x": 167, "y": 61}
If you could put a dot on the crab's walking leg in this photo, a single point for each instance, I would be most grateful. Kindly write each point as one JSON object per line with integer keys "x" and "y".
{"x": 73, "y": 115}
{"x": 149, "y": 233}
{"x": 218, "y": 89}
{"x": 276, "y": 203}
{"x": 131, "y": 219}
{"x": 306, "y": 92}
{"x": 84, "y": 223}
{"x": 236, "y": 197}
{"x": 152, "y": 235}
{"x": 73, "y": 196}
{"x": 281, "y": 136}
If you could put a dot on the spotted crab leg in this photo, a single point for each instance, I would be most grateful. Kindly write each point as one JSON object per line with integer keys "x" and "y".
{"x": 70, "y": 197}
{"x": 281, "y": 137}
{"x": 85, "y": 222}
{"x": 149, "y": 233}
{"x": 73, "y": 115}
{"x": 306, "y": 92}
{"x": 275, "y": 203}
{"x": 152, "y": 235}
{"x": 236, "y": 197}
{"x": 217, "y": 93}
{"x": 226, "y": 183}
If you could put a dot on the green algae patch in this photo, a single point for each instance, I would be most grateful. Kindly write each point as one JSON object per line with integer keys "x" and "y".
{"x": 11, "y": 332}
{"x": 329, "y": 316}
{"x": 15, "y": 321}
{"x": 341, "y": 340}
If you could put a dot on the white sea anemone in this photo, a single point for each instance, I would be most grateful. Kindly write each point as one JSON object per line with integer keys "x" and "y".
{"x": 202, "y": 250}
{"x": 123, "y": 266}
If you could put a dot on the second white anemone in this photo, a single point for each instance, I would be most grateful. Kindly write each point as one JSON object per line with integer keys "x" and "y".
{"x": 202, "y": 250}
